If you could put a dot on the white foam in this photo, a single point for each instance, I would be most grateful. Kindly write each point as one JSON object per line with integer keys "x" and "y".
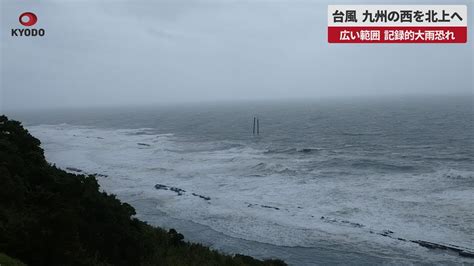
{"x": 244, "y": 201}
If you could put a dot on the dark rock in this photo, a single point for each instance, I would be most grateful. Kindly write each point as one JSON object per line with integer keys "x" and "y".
{"x": 466, "y": 254}
{"x": 270, "y": 207}
{"x": 386, "y": 233}
{"x": 201, "y": 196}
{"x": 431, "y": 245}
{"x": 174, "y": 189}
{"x": 74, "y": 169}
{"x": 160, "y": 186}
{"x": 177, "y": 190}
{"x": 176, "y": 238}
{"x": 342, "y": 222}
{"x": 143, "y": 144}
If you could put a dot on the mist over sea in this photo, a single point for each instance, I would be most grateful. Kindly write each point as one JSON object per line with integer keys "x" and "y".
{"x": 340, "y": 181}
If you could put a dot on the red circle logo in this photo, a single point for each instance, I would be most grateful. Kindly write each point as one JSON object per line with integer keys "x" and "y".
{"x": 28, "y": 19}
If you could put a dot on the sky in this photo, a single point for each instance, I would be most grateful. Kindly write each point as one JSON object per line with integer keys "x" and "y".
{"x": 137, "y": 52}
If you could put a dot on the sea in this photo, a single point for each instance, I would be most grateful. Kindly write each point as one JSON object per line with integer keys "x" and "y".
{"x": 360, "y": 181}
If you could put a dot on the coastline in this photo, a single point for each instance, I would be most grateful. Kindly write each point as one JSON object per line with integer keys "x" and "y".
{"x": 325, "y": 252}
{"x": 165, "y": 177}
{"x": 52, "y": 217}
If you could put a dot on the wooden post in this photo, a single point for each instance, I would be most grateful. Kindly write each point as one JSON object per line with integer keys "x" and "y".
{"x": 254, "y": 125}
{"x": 258, "y": 127}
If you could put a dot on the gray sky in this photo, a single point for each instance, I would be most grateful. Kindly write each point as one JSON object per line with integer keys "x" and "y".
{"x": 143, "y": 52}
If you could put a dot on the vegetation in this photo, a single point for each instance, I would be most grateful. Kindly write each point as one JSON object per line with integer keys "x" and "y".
{"x": 7, "y": 261}
{"x": 51, "y": 217}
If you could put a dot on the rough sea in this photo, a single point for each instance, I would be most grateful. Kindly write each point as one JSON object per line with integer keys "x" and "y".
{"x": 354, "y": 181}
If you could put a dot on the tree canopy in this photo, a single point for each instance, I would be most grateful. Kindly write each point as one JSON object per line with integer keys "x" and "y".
{"x": 52, "y": 217}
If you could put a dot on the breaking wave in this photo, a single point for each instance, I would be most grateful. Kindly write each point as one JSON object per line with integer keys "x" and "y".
{"x": 270, "y": 195}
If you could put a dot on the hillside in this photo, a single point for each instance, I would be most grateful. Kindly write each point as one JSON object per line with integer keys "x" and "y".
{"x": 51, "y": 217}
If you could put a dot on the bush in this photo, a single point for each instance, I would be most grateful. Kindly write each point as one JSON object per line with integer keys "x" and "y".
{"x": 51, "y": 217}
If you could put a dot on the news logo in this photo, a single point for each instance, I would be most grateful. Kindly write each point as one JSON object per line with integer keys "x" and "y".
{"x": 27, "y": 19}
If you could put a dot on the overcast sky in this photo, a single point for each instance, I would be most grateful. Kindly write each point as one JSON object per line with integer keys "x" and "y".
{"x": 144, "y": 52}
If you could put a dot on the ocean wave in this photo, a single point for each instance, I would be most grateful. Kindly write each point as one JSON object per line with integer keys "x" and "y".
{"x": 268, "y": 169}
{"x": 355, "y": 134}
{"x": 293, "y": 151}
{"x": 225, "y": 175}
{"x": 143, "y": 131}
{"x": 454, "y": 158}
{"x": 457, "y": 174}
{"x": 374, "y": 164}
{"x": 209, "y": 147}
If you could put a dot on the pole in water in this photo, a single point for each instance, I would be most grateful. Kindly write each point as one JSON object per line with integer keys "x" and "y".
{"x": 258, "y": 127}
{"x": 254, "y": 125}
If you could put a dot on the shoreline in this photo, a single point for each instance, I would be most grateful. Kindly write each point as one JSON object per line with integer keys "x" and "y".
{"x": 67, "y": 219}
{"x": 293, "y": 255}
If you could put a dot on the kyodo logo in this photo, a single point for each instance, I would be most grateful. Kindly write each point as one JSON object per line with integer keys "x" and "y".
{"x": 28, "y": 19}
